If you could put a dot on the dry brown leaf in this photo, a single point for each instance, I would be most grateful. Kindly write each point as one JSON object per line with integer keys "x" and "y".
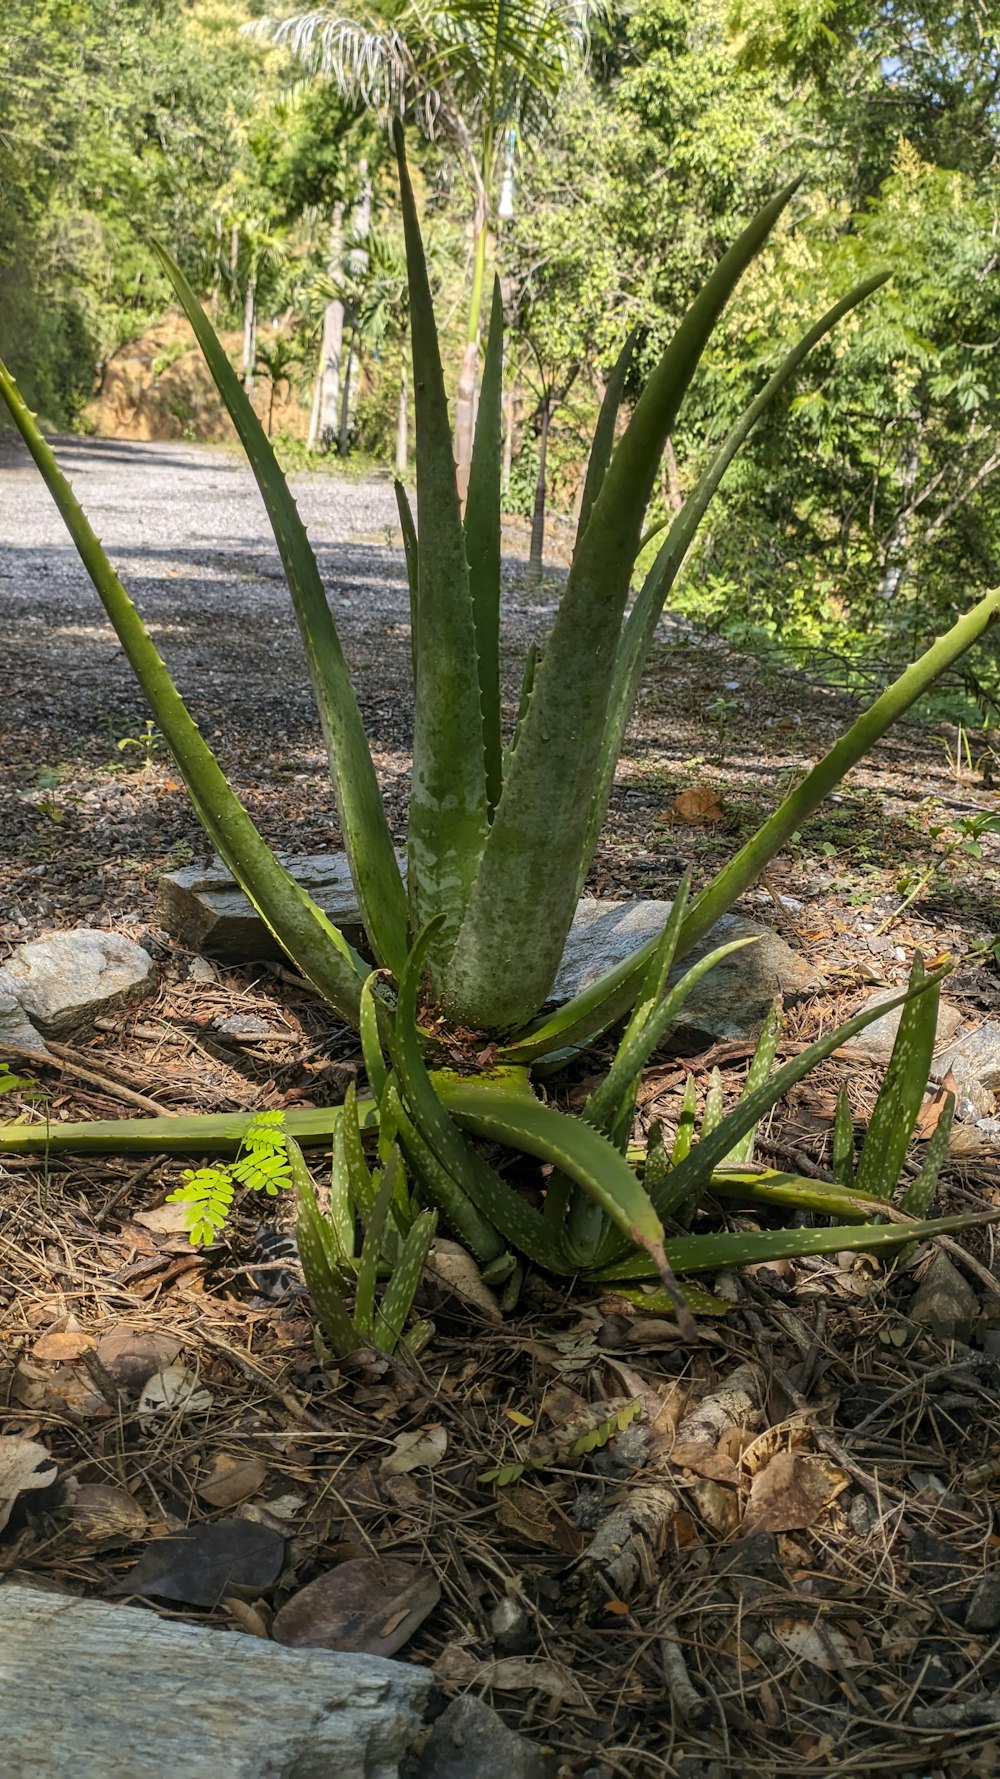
{"x": 528, "y": 1515}
{"x": 64, "y": 1343}
{"x": 516, "y": 1673}
{"x": 231, "y": 1479}
{"x": 372, "y": 1605}
{"x": 792, "y": 1492}
{"x": 100, "y": 1510}
{"x": 932, "y": 1106}
{"x": 456, "y": 1271}
{"x": 699, "y": 804}
{"x": 419, "y": 1450}
{"x": 62, "y": 1391}
{"x": 131, "y": 1355}
{"x": 822, "y": 1645}
{"x": 165, "y": 1220}
{"x": 250, "y": 1617}
{"x": 704, "y": 1460}
{"x": 24, "y": 1465}
{"x": 174, "y": 1391}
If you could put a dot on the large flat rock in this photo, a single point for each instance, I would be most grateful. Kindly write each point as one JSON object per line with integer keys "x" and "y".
{"x": 208, "y": 912}
{"x": 92, "y": 1691}
{"x": 65, "y": 979}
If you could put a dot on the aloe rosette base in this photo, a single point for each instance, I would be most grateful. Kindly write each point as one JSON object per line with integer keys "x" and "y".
{"x": 502, "y": 828}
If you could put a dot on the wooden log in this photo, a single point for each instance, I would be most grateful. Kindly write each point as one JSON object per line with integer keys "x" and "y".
{"x": 92, "y": 1691}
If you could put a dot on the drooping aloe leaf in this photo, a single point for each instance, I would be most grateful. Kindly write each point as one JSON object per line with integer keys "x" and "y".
{"x": 320, "y": 951}
{"x": 397, "y": 1298}
{"x": 374, "y": 869}
{"x": 686, "y": 1183}
{"x": 187, "y": 1133}
{"x": 461, "y": 1215}
{"x": 411, "y": 551}
{"x": 895, "y": 1115}
{"x": 371, "y": 1044}
{"x": 579, "y": 1021}
{"x": 767, "y": 1186}
{"x": 709, "y": 1253}
{"x": 501, "y": 971}
{"x": 640, "y": 625}
{"x": 482, "y": 536}
{"x": 448, "y": 809}
{"x": 604, "y": 432}
{"x": 757, "y": 1074}
{"x": 917, "y": 1198}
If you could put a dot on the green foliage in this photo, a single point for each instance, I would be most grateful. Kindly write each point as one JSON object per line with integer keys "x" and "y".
{"x": 261, "y": 1165}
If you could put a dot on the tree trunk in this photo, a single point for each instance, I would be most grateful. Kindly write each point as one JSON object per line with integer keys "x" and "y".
{"x": 345, "y": 402}
{"x": 249, "y": 332}
{"x": 402, "y": 428}
{"x": 538, "y": 516}
{"x": 270, "y": 408}
{"x": 465, "y": 403}
{"x": 234, "y": 258}
{"x": 508, "y": 438}
{"x": 213, "y": 302}
{"x": 324, "y": 420}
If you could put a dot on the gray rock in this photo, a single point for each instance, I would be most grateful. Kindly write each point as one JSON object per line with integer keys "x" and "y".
{"x": 943, "y": 1301}
{"x": 250, "y": 1707}
{"x": 511, "y": 1627}
{"x": 974, "y": 1062}
{"x": 64, "y": 979}
{"x": 203, "y": 908}
{"x": 878, "y": 1038}
{"x": 16, "y": 1030}
{"x": 469, "y": 1741}
{"x": 984, "y": 1607}
{"x": 729, "y": 1003}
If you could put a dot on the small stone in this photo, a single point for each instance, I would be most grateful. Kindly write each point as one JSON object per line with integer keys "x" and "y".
{"x": 202, "y": 969}
{"x": 243, "y": 1025}
{"x": 470, "y": 1739}
{"x": 511, "y": 1627}
{"x": 943, "y": 1302}
{"x": 984, "y": 1607}
{"x": 65, "y": 979}
{"x": 877, "y": 1039}
{"x": 973, "y": 1062}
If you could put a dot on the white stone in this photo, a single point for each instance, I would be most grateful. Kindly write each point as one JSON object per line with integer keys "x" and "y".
{"x": 65, "y": 979}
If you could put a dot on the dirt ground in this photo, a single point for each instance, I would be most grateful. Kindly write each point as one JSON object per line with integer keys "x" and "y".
{"x": 847, "y": 1635}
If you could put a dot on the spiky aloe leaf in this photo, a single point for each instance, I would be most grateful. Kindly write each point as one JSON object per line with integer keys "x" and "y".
{"x": 461, "y": 1215}
{"x": 843, "y": 1140}
{"x": 604, "y": 432}
{"x": 709, "y": 1253}
{"x": 686, "y": 1183}
{"x": 371, "y": 1250}
{"x": 362, "y": 1186}
{"x": 684, "y": 1134}
{"x": 448, "y": 809}
{"x": 397, "y": 1298}
{"x": 504, "y": 1208}
{"x": 411, "y": 551}
{"x": 769, "y": 1186}
{"x": 482, "y": 535}
{"x": 374, "y": 869}
{"x": 641, "y": 622}
{"x": 757, "y": 1074}
{"x": 342, "y": 1213}
{"x": 300, "y": 926}
{"x": 895, "y": 1115}
{"x": 917, "y": 1198}
{"x": 500, "y": 973}
{"x": 195, "y": 1133}
{"x": 319, "y": 1261}
{"x": 524, "y": 698}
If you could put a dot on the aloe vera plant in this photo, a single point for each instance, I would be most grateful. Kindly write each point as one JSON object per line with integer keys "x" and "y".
{"x": 502, "y": 828}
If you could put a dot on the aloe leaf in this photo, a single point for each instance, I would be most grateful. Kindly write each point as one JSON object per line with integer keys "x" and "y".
{"x": 918, "y": 1195}
{"x": 688, "y": 1181}
{"x": 500, "y": 972}
{"x": 411, "y": 552}
{"x": 637, "y": 1049}
{"x": 843, "y": 1140}
{"x": 457, "y": 1208}
{"x": 313, "y": 1238}
{"x": 374, "y": 868}
{"x": 684, "y": 1135}
{"x": 757, "y": 1074}
{"x": 766, "y": 1186}
{"x": 524, "y": 698}
{"x": 641, "y": 622}
{"x": 194, "y": 1133}
{"x": 892, "y": 1122}
{"x": 362, "y": 1186}
{"x": 482, "y": 534}
{"x": 371, "y": 1249}
{"x": 371, "y": 1043}
{"x": 509, "y": 1213}
{"x": 708, "y": 1253}
{"x": 657, "y": 1302}
{"x": 604, "y": 433}
{"x": 448, "y": 809}
{"x": 397, "y": 1298}
{"x": 320, "y": 951}
{"x": 341, "y": 1216}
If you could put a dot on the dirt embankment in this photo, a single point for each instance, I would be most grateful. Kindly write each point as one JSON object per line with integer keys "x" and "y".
{"x": 159, "y": 387}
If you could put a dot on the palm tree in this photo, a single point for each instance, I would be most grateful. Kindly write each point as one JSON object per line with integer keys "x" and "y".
{"x": 481, "y": 72}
